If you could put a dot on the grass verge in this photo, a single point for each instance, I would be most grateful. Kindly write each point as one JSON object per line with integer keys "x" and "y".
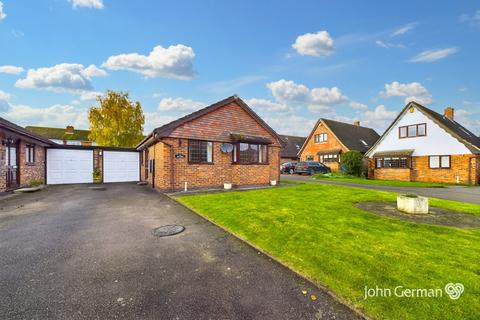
{"x": 317, "y": 230}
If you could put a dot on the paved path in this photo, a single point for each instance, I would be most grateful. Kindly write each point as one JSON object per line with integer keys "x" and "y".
{"x": 456, "y": 193}
{"x": 68, "y": 252}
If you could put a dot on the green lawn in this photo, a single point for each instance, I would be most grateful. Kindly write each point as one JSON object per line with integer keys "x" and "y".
{"x": 392, "y": 183}
{"x": 317, "y": 230}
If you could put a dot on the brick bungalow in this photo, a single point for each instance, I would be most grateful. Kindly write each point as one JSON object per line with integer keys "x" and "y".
{"x": 329, "y": 139}
{"x": 423, "y": 145}
{"x": 292, "y": 146}
{"x": 22, "y": 156}
{"x": 224, "y": 142}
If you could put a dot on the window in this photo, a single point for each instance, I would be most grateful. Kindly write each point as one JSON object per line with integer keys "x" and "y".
{"x": 30, "y": 153}
{"x": 415, "y": 130}
{"x": 329, "y": 158}
{"x": 151, "y": 165}
{"x": 439, "y": 162}
{"x": 200, "y": 151}
{"x": 322, "y": 137}
{"x": 309, "y": 158}
{"x": 248, "y": 153}
{"x": 392, "y": 162}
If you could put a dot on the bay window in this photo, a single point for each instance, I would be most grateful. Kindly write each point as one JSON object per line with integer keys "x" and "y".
{"x": 392, "y": 162}
{"x": 250, "y": 153}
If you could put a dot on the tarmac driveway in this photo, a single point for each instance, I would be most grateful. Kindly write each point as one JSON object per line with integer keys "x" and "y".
{"x": 71, "y": 252}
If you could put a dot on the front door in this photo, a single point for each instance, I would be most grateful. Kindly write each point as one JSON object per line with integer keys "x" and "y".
{"x": 12, "y": 166}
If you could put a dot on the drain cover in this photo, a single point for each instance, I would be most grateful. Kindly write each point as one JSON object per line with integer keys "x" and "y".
{"x": 169, "y": 230}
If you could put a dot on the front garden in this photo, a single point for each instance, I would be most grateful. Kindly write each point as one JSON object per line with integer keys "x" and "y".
{"x": 320, "y": 232}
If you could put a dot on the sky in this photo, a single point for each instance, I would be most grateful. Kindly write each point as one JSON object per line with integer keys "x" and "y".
{"x": 291, "y": 61}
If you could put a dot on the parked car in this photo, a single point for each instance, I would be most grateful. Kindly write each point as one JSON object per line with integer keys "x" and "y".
{"x": 288, "y": 167}
{"x": 311, "y": 167}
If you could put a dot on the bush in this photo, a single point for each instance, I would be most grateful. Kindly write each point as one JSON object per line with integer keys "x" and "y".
{"x": 36, "y": 183}
{"x": 352, "y": 161}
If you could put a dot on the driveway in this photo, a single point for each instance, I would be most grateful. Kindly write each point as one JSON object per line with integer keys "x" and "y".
{"x": 71, "y": 252}
{"x": 456, "y": 193}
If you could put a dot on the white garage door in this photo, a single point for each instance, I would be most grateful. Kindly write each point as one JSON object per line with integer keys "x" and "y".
{"x": 121, "y": 166}
{"x": 69, "y": 166}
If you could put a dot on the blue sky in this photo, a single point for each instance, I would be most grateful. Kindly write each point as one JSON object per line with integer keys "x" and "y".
{"x": 292, "y": 61}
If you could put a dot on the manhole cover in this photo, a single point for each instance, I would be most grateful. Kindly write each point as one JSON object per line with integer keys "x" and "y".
{"x": 97, "y": 188}
{"x": 169, "y": 230}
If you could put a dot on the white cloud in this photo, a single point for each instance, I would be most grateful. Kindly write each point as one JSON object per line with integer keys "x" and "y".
{"x": 314, "y": 44}
{"x": 358, "y": 106}
{"x": 154, "y": 120}
{"x": 379, "y": 119}
{"x": 89, "y": 95}
{"x": 2, "y": 13}
{"x": 54, "y": 116}
{"x": 93, "y": 71}
{"x": 411, "y": 91}
{"x": 388, "y": 45}
{"x": 68, "y": 77}
{"x": 11, "y": 69}
{"x": 403, "y": 29}
{"x": 473, "y": 19}
{"x": 179, "y": 104}
{"x": 289, "y": 91}
{"x": 433, "y": 55}
{"x": 317, "y": 99}
{"x": 172, "y": 62}
{"x": 95, "y": 4}
{"x": 264, "y": 105}
{"x": 4, "y": 98}
{"x": 293, "y": 125}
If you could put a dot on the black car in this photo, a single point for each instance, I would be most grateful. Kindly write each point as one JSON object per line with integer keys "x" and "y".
{"x": 288, "y": 167}
{"x": 311, "y": 167}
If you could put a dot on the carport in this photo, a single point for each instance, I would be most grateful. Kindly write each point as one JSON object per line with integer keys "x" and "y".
{"x": 76, "y": 164}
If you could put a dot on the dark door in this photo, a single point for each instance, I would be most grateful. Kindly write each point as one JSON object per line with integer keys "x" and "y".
{"x": 12, "y": 166}
{"x": 145, "y": 158}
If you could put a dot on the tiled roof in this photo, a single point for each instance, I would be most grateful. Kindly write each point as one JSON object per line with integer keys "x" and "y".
{"x": 22, "y": 131}
{"x": 352, "y": 136}
{"x": 292, "y": 146}
{"x": 60, "y": 133}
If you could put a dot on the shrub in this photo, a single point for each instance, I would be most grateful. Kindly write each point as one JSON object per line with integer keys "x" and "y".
{"x": 36, "y": 183}
{"x": 97, "y": 175}
{"x": 352, "y": 161}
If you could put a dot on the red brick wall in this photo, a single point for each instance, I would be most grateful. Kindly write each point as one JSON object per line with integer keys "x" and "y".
{"x": 207, "y": 175}
{"x": 31, "y": 172}
{"x": 312, "y": 148}
{"x": 465, "y": 167}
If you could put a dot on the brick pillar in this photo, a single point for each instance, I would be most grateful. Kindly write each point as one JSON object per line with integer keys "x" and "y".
{"x": 98, "y": 165}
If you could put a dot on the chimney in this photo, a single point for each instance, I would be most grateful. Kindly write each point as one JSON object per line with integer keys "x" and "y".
{"x": 69, "y": 130}
{"x": 356, "y": 123}
{"x": 449, "y": 113}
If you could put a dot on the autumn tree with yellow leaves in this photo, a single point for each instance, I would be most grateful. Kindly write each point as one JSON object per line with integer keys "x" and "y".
{"x": 117, "y": 121}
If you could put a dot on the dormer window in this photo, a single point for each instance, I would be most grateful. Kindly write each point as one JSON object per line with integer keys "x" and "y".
{"x": 412, "y": 131}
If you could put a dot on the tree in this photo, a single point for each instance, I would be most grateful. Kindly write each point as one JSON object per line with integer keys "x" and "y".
{"x": 352, "y": 161}
{"x": 117, "y": 121}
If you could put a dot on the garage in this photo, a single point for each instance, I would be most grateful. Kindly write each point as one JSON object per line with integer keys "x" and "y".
{"x": 66, "y": 166}
{"x": 121, "y": 166}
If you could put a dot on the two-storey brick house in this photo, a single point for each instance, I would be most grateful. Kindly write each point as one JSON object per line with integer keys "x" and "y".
{"x": 423, "y": 145}
{"x": 329, "y": 139}
{"x": 226, "y": 142}
{"x": 22, "y": 156}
